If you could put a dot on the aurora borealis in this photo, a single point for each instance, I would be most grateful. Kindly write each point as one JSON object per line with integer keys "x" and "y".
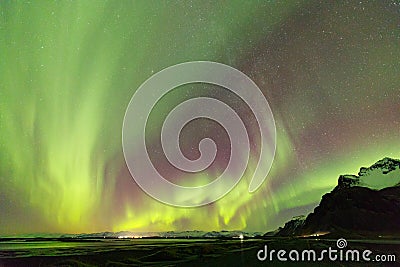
{"x": 330, "y": 72}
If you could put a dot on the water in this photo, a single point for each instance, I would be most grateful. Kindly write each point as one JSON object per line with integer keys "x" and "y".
{"x": 170, "y": 252}
{"x": 28, "y": 248}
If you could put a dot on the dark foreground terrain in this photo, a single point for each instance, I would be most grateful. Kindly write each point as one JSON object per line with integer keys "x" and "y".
{"x": 182, "y": 252}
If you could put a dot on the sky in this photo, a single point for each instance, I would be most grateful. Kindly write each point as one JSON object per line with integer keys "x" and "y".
{"x": 330, "y": 73}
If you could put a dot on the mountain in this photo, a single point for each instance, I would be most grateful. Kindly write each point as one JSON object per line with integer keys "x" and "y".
{"x": 224, "y": 234}
{"x": 367, "y": 204}
{"x": 290, "y": 228}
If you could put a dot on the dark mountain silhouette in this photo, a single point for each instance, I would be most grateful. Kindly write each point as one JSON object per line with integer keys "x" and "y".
{"x": 367, "y": 204}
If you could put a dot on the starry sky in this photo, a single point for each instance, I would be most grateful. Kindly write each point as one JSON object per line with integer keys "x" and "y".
{"x": 330, "y": 72}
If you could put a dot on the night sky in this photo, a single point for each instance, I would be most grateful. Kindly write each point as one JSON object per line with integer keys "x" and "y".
{"x": 330, "y": 72}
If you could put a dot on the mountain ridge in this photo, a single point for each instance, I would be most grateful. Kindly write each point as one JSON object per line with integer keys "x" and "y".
{"x": 366, "y": 204}
{"x": 131, "y": 234}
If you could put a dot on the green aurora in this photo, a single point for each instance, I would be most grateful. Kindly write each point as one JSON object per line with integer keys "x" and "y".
{"x": 68, "y": 70}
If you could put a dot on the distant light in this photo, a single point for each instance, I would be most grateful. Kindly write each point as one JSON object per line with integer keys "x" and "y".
{"x": 241, "y": 236}
{"x": 126, "y": 236}
{"x": 316, "y": 234}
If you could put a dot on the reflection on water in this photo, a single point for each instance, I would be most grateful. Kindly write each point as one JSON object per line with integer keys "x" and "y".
{"x": 24, "y": 248}
{"x": 156, "y": 252}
